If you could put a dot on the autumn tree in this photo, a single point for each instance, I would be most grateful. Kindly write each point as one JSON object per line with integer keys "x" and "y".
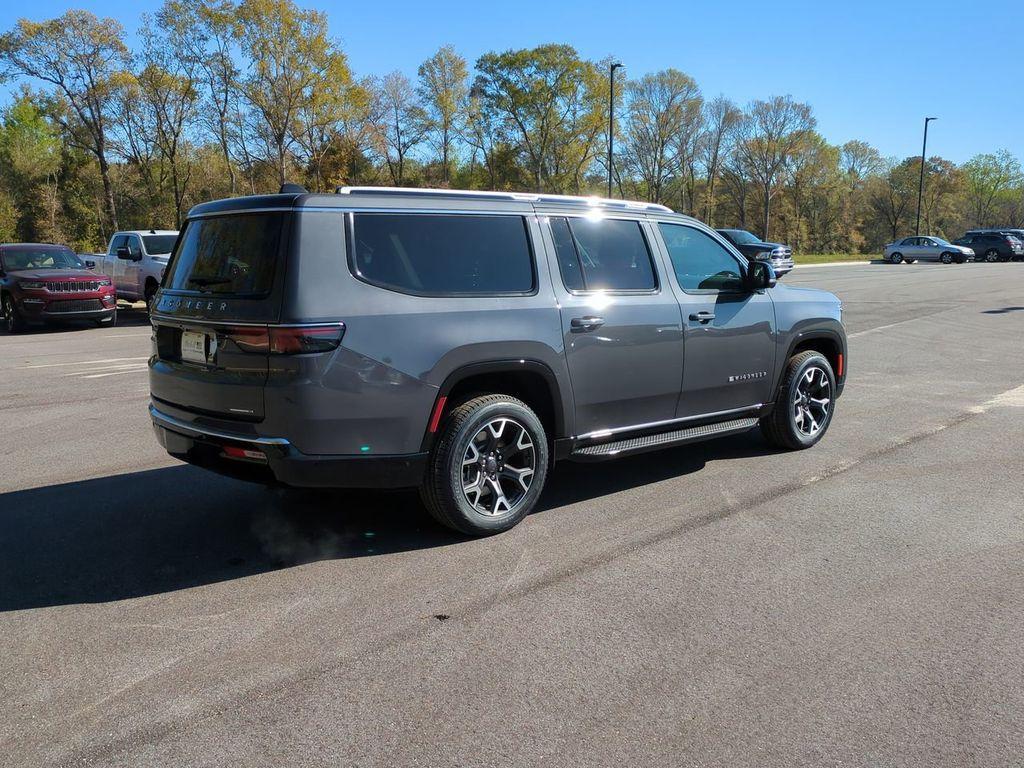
{"x": 291, "y": 61}
{"x": 401, "y": 123}
{"x": 80, "y": 57}
{"x": 661, "y": 109}
{"x": 443, "y": 91}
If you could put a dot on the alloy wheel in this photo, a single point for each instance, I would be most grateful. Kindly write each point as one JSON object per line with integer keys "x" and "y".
{"x": 498, "y": 466}
{"x": 812, "y": 401}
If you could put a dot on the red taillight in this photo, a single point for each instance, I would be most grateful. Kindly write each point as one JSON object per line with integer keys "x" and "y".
{"x": 298, "y": 340}
{"x": 285, "y": 340}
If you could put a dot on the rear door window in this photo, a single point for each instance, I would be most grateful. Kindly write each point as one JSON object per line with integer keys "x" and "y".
{"x": 443, "y": 254}
{"x": 602, "y": 255}
{"x": 228, "y": 255}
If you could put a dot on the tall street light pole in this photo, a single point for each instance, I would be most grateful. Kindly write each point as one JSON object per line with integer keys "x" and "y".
{"x": 920, "y": 183}
{"x": 611, "y": 118}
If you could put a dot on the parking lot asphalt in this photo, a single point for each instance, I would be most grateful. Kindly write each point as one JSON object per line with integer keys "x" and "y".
{"x": 725, "y": 604}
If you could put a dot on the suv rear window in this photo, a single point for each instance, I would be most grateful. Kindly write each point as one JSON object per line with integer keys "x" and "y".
{"x": 234, "y": 254}
{"x": 443, "y": 254}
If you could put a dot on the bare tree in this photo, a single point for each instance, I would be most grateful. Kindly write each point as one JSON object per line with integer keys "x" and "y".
{"x": 400, "y": 121}
{"x": 721, "y": 117}
{"x": 769, "y": 135}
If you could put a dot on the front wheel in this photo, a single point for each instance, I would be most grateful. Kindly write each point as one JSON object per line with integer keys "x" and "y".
{"x": 804, "y": 405}
{"x": 13, "y": 321}
{"x": 946, "y": 258}
{"x": 488, "y": 467}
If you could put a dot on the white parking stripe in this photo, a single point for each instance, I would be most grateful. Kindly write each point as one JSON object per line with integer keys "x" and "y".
{"x": 1011, "y": 398}
{"x": 113, "y": 373}
{"x": 80, "y": 362}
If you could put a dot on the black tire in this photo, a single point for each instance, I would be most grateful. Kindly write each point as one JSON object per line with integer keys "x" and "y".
{"x": 150, "y": 294}
{"x": 13, "y": 321}
{"x": 108, "y": 322}
{"x": 946, "y": 258}
{"x": 961, "y": 259}
{"x": 991, "y": 255}
{"x": 449, "y": 474}
{"x": 895, "y": 258}
{"x": 782, "y": 427}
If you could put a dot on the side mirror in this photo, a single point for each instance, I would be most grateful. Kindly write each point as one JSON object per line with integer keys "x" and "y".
{"x": 124, "y": 252}
{"x": 759, "y": 276}
{"x": 89, "y": 263}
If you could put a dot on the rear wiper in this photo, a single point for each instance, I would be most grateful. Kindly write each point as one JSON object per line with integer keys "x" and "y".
{"x": 202, "y": 282}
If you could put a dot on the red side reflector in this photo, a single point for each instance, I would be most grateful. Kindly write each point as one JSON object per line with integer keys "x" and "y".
{"x": 839, "y": 365}
{"x": 435, "y": 419}
{"x": 234, "y": 452}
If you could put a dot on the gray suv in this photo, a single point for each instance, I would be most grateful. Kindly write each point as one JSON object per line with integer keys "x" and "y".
{"x": 463, "y": 343}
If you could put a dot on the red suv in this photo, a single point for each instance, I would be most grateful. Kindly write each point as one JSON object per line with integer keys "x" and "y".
{"x": 43, "y": 282}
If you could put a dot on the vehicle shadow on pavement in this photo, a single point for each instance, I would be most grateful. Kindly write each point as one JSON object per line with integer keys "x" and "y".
{"x": 162, "y": 530}
{"x": 127, "y": 317}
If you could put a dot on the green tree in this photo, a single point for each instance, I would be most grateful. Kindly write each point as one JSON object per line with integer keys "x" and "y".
{"x": 80, "y": 57}
{"x": 30, "y": 159}
{"x": 547, "y": 103}
{"x": 990, "y": 179}
{"x": 443, "y": 91}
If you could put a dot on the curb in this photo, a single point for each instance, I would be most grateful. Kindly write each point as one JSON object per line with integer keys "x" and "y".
{"x": 834, "y": 264}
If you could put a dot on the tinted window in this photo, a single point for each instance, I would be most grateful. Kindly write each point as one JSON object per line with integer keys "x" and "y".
{"x": 39, "y": 257}
{"x": 134, "y": 246}
{"x": 159, "y": 244}
{"x": 228, "y": 255}
{"x": 603, "y": 255}
{"x": 700, "y": 262}
{"x": 909, "y": 241}
{"x": 440, "y": 254}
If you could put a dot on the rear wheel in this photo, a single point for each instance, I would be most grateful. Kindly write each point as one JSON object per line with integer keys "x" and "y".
{"x": 488, "y": 467}
{"x": 13, "y": 321}
{"x": 896, "y": 258}
{"x": 991, "y": 255}
{"x": 804, "y": 405}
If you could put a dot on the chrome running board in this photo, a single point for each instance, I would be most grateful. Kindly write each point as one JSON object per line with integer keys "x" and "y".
{"x": 661, "y": 440}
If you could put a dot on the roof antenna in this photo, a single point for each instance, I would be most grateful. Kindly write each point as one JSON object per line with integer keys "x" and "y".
{"x": 292, "y": 189}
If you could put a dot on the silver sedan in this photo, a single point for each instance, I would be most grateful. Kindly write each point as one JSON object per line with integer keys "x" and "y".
{"x": 910, "y": 249}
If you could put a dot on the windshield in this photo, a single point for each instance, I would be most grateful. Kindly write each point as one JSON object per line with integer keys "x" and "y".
{"x": 940, "y": 241}
{"x": 234, "y": 254}
{"x": 40, "y": 257}
{"x": 742, "y": 237}
{"x": 159, "y": 245}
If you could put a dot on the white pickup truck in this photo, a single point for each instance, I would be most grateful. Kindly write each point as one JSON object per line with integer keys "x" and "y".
{"x": 135, "y": 261}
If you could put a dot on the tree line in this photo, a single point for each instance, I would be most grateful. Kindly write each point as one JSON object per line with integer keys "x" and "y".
{"x": 224, "y": 98}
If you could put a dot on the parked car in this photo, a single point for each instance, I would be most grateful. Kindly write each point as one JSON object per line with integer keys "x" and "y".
{"x": 991, "y": 246}
{"x": 751, "y": 246}
{"x": 461, "y": 342}
{"x": 930, "y": 248}
{"x": 42, "y": 282}
{"x": 1017, "y": 234}
{"x": 135, "y": 261}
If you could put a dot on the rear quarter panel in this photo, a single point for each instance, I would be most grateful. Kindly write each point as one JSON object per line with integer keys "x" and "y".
{"x": 376, "y": 392}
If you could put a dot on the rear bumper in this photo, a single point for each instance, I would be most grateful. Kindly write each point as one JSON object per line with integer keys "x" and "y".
{"x": 283, "y": 464}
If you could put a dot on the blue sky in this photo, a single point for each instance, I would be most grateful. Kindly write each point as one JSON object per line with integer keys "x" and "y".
{"x": 871, "y": 70}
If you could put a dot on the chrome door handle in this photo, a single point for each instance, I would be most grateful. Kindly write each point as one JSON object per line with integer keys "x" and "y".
{"x": 588, "y": 323}
{"x": 703, "y": 317}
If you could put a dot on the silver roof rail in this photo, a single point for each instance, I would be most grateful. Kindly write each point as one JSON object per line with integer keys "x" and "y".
{"x": 528, "y": 197}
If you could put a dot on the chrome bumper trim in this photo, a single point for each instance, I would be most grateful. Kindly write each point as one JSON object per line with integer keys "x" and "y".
{"x": 176, "y": 425}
